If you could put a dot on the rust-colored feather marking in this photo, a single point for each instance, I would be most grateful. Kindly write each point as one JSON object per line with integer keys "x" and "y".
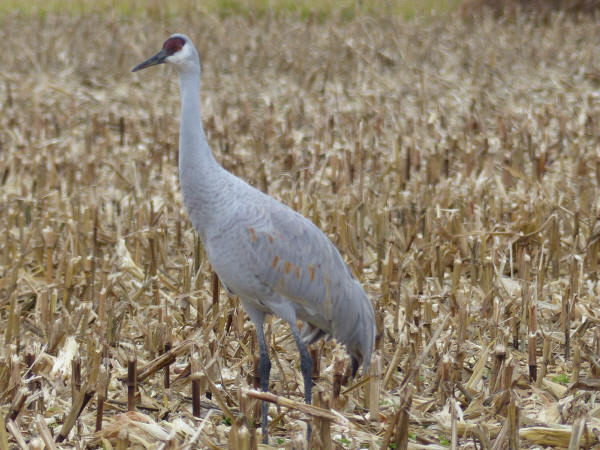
{"x": 287, "y": 267}
{"x": 275, "y": 261}
{"x": 271, "y": 240}
{"x": 297, "y": 272}
{"x": 311, "y": 271}
{"x": 252, "y": 234}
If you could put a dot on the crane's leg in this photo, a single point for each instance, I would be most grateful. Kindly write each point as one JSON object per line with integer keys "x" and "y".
{"x": 354, "y": 365}
{"x": 264, "y": 371}
{"x": 282, "y": 307}
{"x": 306, "y": 364}
{"x": 264, "y": 364}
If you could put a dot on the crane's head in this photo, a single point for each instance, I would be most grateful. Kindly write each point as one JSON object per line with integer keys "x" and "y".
{"x": 177, "y": 50}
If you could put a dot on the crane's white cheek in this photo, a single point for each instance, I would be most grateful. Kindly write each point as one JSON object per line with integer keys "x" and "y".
{"x": 176, "y": 58}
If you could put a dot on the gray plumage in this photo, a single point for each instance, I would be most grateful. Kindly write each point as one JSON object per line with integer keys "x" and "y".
{"x": 275, "y": 260}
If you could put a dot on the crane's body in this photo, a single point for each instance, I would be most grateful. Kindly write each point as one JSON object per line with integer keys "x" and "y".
{"x": 274, "y": 259}
{"x": 277, "y": 261}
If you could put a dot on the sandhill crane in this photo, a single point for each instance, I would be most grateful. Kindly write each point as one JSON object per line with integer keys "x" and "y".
{"x": 272, "y": 258}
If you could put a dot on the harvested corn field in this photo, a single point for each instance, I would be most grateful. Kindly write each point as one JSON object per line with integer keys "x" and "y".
{"x": 454, "y": 162}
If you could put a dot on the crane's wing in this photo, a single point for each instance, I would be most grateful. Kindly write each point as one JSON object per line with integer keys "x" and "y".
{"x": 297, "y": 261}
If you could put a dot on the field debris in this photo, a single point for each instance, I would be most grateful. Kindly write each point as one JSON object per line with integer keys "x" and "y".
{"x": 454, "y": 163}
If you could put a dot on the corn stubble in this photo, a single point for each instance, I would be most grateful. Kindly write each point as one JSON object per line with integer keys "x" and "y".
{"x": 454, "y": 165}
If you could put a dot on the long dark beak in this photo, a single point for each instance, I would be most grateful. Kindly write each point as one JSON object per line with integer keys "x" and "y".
{"x": 159, "y": 58}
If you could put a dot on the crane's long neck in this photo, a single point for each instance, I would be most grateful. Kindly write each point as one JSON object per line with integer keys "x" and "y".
{"x": 193, "y": 146}
{"x": 198, "y": 169}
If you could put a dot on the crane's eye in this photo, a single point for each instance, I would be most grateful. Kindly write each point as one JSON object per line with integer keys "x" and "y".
{"x": 173, "y": 45}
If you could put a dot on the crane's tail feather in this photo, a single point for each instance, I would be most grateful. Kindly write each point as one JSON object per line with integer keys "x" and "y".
{"x": 357, "y": 331}
{"x": 353, "y": 326}
{"x": 311, "y": 334}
